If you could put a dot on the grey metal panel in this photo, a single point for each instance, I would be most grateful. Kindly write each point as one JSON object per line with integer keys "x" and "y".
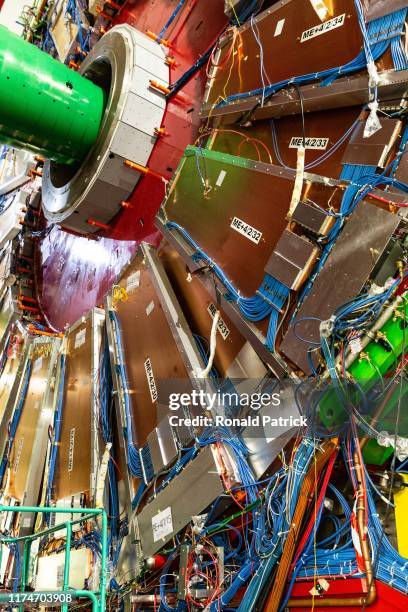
{"x": 264, "y": 448}
{"x": 116, "y": 173}
{"x": 162, "y": 445}
{"x": 200, "y": 476}
{"x": 379, "y": 8}
{"x": 247, "y": 364}
{"x": 133, "y": 144}
{"x": 290, "y": 257}
{"x": 347, "y": 268}
{"x": 310, "y": 217}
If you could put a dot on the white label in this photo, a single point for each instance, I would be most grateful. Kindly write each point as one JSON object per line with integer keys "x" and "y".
{"x": 37, "y": 365}
{"x": 246, "y": 230}
{"x": 18, "y": 454}
{"x": 222, "y": 328}
{"x": 221, "y": 178}
{"x": 355, "y": 346}
{"x": 279, "y": 27}
{"x": 150, "y": 380}
{"x": 162, "y": 524}
{"x": 310, "y": 143}
{"x": 80, "y": 338}
{"x": 60, "y": 576}
{"x": 150, "y": 308}
{"x": 133, "y": 281}
{"x": 322, "y": 28}
{"x": 27, "y": 522}
{"x": 71, "y": 450}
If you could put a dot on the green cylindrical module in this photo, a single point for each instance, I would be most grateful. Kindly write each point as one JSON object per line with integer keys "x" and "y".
{"x": 45, "y": 107}
{"x": 374, "y": 362}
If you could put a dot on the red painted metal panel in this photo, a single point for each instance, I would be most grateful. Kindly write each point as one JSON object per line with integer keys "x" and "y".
{"x": 75, "y": 273}
{"x": 387, "y": 597}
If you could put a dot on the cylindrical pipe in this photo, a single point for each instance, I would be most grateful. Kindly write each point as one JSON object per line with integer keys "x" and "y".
{"x": 45, "y": 107}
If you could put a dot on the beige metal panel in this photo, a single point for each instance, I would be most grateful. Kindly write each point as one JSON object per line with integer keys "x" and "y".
{"x": 21, "y": 453}
{"x": 8, "y": 375}
{"x": 74, "y": 455}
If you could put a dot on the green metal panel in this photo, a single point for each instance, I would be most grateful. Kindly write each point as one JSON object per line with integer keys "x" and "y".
{"x": 45, "y": 107}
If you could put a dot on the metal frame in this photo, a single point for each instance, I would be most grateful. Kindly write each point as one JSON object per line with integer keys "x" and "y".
{"x": 38, "y": 454}
{"x": 14, "y": 394}
{"x": 120, "y": 416}
{"x": 345, "y": 92}
{"x": 97, "y": 320}
{"x": 12, "y": 317}
{"x": 178, "y": 323}
{"x": 98, "y": 598}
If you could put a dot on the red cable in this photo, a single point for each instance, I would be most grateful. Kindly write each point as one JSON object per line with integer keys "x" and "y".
{"x": 320, "y": 499}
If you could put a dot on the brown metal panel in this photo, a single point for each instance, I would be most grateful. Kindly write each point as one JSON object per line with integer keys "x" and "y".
{"x": 284, "y": 55}
{"x": 257, "y": 194}
{"x": 24, "y": 439}
{"x": 146, "y": 334}
{"x": 347, "y": 268}
{"x": 195, "y": 302}
{"x": 74, "y": 455}
{"x": 329, "y": 125}
{"x": 372, "y": 151}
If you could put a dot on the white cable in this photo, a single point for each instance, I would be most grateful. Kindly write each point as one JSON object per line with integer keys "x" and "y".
{"x": 297, "y": 189}
{"x": 213, "y": 346}
{"x": 103, "y": 470}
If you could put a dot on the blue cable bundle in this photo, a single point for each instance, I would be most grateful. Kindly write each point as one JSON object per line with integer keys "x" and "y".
{"x": 202, "y": 346}
{"x": 15, "y": 549}
{"x": 170, "y": 20}
{"x": 330, "y": 557}
{"x": 378, "y": 36}
{"x": 268, "y": 300}
{"x": 146, "y": 459}
{"x": 106, "y": 412}
{"x": 279, "y": 508}
{"x": 57, "y": 433}
{"x": 388, "y": 565}
{"x": 16, "y": 418}
{"x": 179, "y": 84}
{"x": 134, "y": 461}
